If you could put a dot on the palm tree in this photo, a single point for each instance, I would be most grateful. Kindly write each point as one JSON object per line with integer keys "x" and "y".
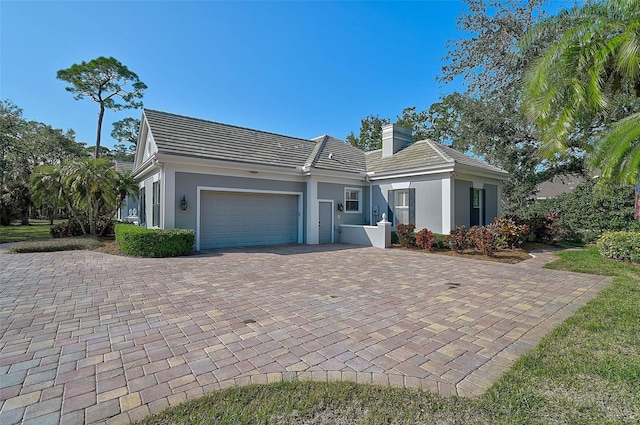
{"x": 575, "y": 82}
{"x": 91, "y": 183}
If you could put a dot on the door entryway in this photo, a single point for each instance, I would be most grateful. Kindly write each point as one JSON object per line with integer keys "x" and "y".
{"x": 325, "y": 221}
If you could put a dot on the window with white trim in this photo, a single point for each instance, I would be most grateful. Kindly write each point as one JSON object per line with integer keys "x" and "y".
{"x": 155, "y": 221}
{"x": 353, "y": 200}
{"x": 402, "y": 206}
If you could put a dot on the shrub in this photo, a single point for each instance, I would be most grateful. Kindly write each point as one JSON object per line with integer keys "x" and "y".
{"x": 508, "y": 233}
{"x": 588, "y": 211}
{"x": 406, "y": 235}
{"x": 425, "y": 239}
{"x": 457, "y": 239}
{"x": 441, "y": 241}
{"x": 394, "y": 238}
{"x": 482, "y": 239}
{"x": 139, "y": 241}
{"x": 72, "y": 228}
{"x": 623, "y": 246}
{"x": 545, "y": 227}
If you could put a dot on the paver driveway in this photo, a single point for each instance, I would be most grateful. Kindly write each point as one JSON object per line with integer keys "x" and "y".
{"x": 89, "y": 337}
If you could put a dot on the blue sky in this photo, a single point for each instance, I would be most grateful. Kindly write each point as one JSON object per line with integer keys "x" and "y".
{"x": 296, "y": 68}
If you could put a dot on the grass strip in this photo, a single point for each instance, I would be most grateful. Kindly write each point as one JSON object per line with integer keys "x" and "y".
{"x": 51, "y": 245}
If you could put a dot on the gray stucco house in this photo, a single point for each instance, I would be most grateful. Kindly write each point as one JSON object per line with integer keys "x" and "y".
{"x": 238, "y": 187}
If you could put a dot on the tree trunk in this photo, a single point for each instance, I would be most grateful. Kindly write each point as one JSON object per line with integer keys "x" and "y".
{"x": 99, "y": 132}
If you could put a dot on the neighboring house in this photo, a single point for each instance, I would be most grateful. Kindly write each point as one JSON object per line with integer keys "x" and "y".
{"x": 129, "y": 210}
{"x": 238, "y": 187}
{"x": 558, "y": 185}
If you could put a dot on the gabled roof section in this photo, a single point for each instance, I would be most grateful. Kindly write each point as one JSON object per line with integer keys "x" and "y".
{"x": 423, "y": 154}
{"x": 193, "y": 137}
{"x": 334, "y": 154}
{"x": 124, "y": 167}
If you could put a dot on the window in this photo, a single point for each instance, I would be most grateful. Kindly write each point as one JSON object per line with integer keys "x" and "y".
{"x": 143, "y": 206}
{"x": 402, "y": 206}
{"x": 476, "y": 198}
{"x": 352, "y": 200}
{"x": 156, "y": 204}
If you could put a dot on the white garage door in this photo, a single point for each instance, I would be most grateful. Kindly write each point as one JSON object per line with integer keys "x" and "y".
{"x": 229, "y": 219}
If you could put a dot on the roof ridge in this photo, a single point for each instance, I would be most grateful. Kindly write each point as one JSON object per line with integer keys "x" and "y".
{"x": 315, "y": 153}
{"x": 227, "y": 125}
{"x": 447, "y": 158}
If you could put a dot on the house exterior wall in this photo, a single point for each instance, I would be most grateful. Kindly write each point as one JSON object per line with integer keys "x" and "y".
{"x": 147, "y": 186}
{"x": 463, "y": 201}
{"x": 492, "y": 200}
{"x": 428, "y": 207}
{"x": 462, "y": 209}
{"x": 335, "y": 192}
{"x": 187, "y": 184}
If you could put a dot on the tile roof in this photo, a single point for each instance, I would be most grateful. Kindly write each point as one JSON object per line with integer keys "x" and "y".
{"x": 124, "y": 167}
{"x": 193, "y": 137}
{"x": 420, "y": 155}
{"x": 185, "y": 136}
{"x": 334, "y": 154}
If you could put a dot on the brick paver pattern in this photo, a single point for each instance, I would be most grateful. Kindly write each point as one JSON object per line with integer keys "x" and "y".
{"x": 94, "y": 338}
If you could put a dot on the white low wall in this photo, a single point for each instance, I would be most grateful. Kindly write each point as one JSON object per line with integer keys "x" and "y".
{"x": 378, "y": 236}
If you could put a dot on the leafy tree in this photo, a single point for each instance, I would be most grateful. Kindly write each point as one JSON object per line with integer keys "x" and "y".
{"x": 486, "y": 120}
{"x": 11, "y": 124}
{"x": 125, "y": 132}
{"x": 48, "y": 192}
{"x": 370, "y": 136}
{"x": 91, "y": 184}
{"x": 107, "y": 82}
{"x": 589, "y": 78}
{"x": 90, "y": 189}
{"x": 26, "y": 145}
{"x": 484, "y": 58}
{"x": 417, "y": 121}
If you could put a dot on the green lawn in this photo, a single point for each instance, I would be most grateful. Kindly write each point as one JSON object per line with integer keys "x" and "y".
{"x": 39, "y": 229}
{"x": 587, "y": 371}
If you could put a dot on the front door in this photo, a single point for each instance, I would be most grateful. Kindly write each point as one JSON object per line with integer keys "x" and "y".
{"x": 325, "y": 213}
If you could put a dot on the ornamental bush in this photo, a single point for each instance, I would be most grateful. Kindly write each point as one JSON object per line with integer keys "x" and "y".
{"x": 482, "y": 239}
{"x": 406, "y": 235}
{"x": 143, "y": 242}
{"x": 588, "y": 211}
{"x": 623, "y": 246}
{"x": 457, "y": 239}
{"x": 71, "y": 228}
{"x": 509, "y": 234}
{"x": 425, "y": 239}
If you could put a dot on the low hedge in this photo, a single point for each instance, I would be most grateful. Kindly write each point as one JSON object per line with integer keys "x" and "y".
{"x": 143, "y": 242}
{"x": 623, "y": 246}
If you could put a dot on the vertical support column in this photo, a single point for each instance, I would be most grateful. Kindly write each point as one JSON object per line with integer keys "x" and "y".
{"x": 448, "y": 204}
{"x": 312, "y": 212}
{"x": 168, "y": 199}
{"x": 386, "y": 227}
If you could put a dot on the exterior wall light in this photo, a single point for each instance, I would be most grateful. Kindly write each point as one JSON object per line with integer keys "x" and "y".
{"x": 183, "y": 203}
{"x": 340, "y": 207}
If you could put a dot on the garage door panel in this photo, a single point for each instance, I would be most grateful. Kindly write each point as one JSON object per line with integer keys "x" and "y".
{"x": 230, "y": 219}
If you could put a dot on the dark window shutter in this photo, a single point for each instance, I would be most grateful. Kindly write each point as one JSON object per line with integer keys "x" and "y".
{"x": 391, "y": 203}
{"x": 412, "y": 206}
{"x": 484, "y": 207}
